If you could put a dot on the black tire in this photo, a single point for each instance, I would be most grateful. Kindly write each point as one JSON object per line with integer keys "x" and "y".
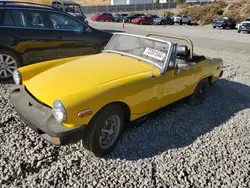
{"x": 181, "y": 22}
{"x": 92, "y": 138}
{"x": 15, "y": 57}
{"x": 200, "y": 93}
{"x": 224, "y": 27}
{"x": 238, "y": 30}
{"x": 214, "y": 27}
{"x": 189, "y": 22}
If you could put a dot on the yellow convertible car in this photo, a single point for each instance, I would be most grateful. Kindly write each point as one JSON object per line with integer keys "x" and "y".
{"x": 92, "y": 98}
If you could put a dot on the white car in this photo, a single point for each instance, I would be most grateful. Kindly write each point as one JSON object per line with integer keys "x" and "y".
{"x": 181, "y": 19}
{"x": 244, "y": 26}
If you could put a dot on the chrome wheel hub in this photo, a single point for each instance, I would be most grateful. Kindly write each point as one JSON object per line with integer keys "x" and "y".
{"x": 7, "y": 66}
{"x": 110, "y": 131}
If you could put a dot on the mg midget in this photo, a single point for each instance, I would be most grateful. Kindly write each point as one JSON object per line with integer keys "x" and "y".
{"x": 92, "y": 98}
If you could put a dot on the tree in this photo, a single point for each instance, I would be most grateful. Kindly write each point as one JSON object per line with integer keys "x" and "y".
{"x": 180, "y": 1}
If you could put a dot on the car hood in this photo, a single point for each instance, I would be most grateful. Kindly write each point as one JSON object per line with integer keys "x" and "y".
{"x": 83, "y": 73}
{"x": 245, "y": 22}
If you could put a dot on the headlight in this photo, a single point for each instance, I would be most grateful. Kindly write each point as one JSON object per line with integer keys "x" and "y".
{"x": 59, "y": 111}
{"x": 17, "y": 77}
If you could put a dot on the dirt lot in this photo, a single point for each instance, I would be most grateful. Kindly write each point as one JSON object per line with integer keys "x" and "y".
{"x": 206, "y": 146}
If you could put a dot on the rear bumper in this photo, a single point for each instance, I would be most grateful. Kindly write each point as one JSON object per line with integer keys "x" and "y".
{"x": 221, "y": 73}
{"x": 41, "y": 120}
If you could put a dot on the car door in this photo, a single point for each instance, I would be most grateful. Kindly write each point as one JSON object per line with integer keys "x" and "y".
{"x": 103, "y": 17}
{"x": 30, "y": 36}
{"x": 175, "y": 84}
{"x": 73, "y": 38}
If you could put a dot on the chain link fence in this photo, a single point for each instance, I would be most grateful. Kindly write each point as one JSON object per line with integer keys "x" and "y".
{"x": 132, "y": 8}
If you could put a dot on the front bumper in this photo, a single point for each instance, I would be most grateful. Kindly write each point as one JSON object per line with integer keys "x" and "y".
{"x": 243, "y": 28}
{"x": 39, "y": 117}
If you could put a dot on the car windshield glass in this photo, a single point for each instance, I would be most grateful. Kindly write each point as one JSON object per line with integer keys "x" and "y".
{"x": 248, "y": 19}
{"x": 150, "y": 50}
{"x": 72, "y": 8}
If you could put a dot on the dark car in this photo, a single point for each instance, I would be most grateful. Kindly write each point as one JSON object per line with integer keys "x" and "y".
{"x": 154, "y": 16}
{"x": 70, "y": 7}
{"x": 33, "y": 33}
{"x": 163, "y": 21}
{"x": 224, "y": 22}
{"x": 119, "y": 17}
{"x": 130, "y": 17}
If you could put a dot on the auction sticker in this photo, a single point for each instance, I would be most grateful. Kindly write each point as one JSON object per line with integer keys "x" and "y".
{"x": 154, "y": 53}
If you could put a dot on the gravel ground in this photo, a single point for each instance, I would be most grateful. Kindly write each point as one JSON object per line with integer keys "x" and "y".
{"x": 206, "y": 146}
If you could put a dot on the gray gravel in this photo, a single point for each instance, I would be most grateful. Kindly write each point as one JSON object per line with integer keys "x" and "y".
{"x": 180, "y": 146}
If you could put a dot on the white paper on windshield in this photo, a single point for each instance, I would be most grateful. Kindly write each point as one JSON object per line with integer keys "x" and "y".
{"x": 154, "y": 53}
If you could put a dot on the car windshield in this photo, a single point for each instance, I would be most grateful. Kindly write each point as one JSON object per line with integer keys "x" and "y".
{"x": 72, "y": 8}
{"x": 248, "y": 19}
{"x": 153, "y": 51}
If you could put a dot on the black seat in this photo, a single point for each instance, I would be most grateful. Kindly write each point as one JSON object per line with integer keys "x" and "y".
{"x": 182, "y": 51}
{"x": 182, "y": 54}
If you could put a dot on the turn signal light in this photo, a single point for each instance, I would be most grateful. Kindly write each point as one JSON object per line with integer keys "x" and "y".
{"x": 85, "y": 113}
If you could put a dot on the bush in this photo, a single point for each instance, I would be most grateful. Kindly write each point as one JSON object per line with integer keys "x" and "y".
{"x": 237, "y": 9}
{"x": 167, "y": 13}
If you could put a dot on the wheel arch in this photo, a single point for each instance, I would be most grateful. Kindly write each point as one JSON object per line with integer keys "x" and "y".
{"x": 13, "y": 51}
{"x": 125, "y": 107}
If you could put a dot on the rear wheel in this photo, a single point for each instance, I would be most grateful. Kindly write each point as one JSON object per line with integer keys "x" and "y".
{"x": 214, "y": 27}
{"x": 200, "y": 93}
{"x": 9, "y": 62}
{"x": 104, "y": 130}
{"x": 180, "y": 22}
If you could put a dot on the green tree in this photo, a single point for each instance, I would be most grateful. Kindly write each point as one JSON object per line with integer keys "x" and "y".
{"x": 180, "y": 1}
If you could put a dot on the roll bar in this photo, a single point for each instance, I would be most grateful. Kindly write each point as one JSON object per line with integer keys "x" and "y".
{"x": 176, "y": 37}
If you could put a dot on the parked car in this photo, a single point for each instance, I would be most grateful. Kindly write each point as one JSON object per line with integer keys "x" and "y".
{"x": 69, "y": 7}
{"x": 119, "y": 17}
{"x": 102, "y": 17}
{"x": 130, "y": 17}
{"x": 181, "y": 19}
{"x": 33, "y": 33}
{"x": 154, "y": 16}
{"x": 244, "y": 26}
{"x": 143, "y": 20}
{"x": 163, "y": 21}
{"x": 224, "y": 22}
{"x": 93, "y": 98}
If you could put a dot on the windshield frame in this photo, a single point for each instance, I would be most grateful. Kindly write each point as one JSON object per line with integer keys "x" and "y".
{"x": 168, "y": 54}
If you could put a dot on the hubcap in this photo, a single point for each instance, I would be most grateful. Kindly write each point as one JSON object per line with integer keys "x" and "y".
{"x": 7, "y": 66}
{"x": 110, "y": 131}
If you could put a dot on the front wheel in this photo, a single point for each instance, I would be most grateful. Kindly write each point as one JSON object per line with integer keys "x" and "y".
{"x": 104, "y": 130}
{"x": 9, "y": 62}
{"x": 200, "y": 93}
